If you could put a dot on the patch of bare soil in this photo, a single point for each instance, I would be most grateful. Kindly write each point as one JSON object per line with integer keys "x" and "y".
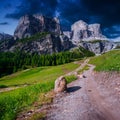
{"x": 109, "y": 81}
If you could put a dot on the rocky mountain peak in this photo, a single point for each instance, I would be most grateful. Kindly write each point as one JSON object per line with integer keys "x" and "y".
{"x": 81, "y": 31}
{"x": 79, "y": 25}
{"x": 4, "y": 36}
{"x": 32, "y": 24}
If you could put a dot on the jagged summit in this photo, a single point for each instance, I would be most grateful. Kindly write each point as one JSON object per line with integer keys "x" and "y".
{"x": 43, "y": 35}
{"x": 4, "y": 36}
{"x": 81, "y": 25}
{"x": 80, "y": 31}
{"x": 32, "y": 24}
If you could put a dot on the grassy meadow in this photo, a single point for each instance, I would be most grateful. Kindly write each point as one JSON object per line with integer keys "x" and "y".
{"x": 39, "y": 81}
{"x": 109, "y": 61}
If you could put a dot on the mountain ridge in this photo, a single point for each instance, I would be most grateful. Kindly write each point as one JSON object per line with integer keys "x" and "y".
{"x": 57, "y": 40}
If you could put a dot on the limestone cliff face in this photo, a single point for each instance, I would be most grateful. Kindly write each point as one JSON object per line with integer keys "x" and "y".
{"x": 79, "y": 30}
{"x": 68, "y": 34}
{"x": 4, "y": 36}
{"x": 99, "y": 46}
{"x": 6, "y": 41}
{"x": 32, "y": 24}
{"x": 83, "y": 31}
{"x": 81, "y": 34}
{"x": 46, "y": 45}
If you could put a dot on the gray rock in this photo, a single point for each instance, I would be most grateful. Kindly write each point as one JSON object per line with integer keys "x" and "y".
{"x": 47, "y": 45}
{"x": 95, "y": 31}
{"x": 98, "y": 47}
{"x": 60, "y": 85}
{"x": 32, "y": 24}
{"x": 81, "y": 31}
{"x": 4, "y": 36}
{"x": 68, "y": 34}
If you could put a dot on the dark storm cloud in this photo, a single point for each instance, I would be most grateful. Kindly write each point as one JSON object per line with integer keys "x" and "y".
{"x": 4, "y": 23}
{"x": 108, "y": 10}
{"x": 105, "y": 12}
{"x": 46, "y": 7}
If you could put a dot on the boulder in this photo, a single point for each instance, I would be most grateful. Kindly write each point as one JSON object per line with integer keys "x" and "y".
{"x": 60, "y": 85}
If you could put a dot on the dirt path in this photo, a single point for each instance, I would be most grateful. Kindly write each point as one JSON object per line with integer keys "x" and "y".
{"x": 85, "y": 101}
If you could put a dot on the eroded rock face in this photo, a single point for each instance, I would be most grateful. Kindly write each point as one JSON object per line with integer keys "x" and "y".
{"x": 81, "y": 31}
{"x": 60, "y": 85}
{"x": 98, "y": 47}
{"x": 68, "y": 34}
{"x": 55, "y": 40}
{"x": 47, "y": 45}
{"x": 32, "y": 24}
{"x": 4, "y": 36}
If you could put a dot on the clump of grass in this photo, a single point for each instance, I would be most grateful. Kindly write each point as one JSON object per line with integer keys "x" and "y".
{"x": 86, "y": 67}
{"x": 96, "y": 41}
{"x": 70, "y": 78}
{"x": 109, "y": 61}
{"x": 3, "y": 86}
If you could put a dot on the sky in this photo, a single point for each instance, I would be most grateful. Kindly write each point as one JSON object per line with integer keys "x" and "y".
{"x": 105, "y": 12}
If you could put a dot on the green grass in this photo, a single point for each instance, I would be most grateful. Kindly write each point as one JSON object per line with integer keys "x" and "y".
{"x": 70, "y": 78}
{"x": 12, "y": 102}
{"x": 33, "y": 38}
{"x": 86, "y": 67}
{"x": 36, "y": 75}
{"x": 95, "y": 41}
{"x": 109, "y": 61}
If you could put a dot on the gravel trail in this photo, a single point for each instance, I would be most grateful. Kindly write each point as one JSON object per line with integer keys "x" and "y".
{"x": 85, "y": 100}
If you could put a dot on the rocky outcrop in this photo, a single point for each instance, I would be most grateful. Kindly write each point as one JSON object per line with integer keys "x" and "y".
{"x": 81, "y": 31}
{"x": 4, "y": 36}
{"x": 68, "y": 34}
{"x": 98, "y": 46}
{"x": 6, "y": 41}
{"x": 32, "y": 24}
{"x": 60, "y": 85}
{"x": 54, "y": 40}
{"x": 48, "y": 44}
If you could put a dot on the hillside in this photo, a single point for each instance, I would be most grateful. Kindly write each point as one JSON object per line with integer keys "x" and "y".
{"x": 95, "y": 96}
{"x": 21, "y": 90}
{"x": 31, "y": 88}
{"x": 11, "y": 62}
{"x": 109, "y": 61}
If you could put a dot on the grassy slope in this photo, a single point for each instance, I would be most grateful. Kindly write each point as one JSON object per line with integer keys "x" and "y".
{"x": 109, "y": 61}
{"x": 36, "y": 75}
{"x": 13, "y": 101}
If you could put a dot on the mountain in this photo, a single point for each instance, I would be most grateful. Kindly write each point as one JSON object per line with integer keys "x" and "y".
{"x": 42, "y": 43}
{"x": 32, "y": 24}
{"x": 43, "y": 35}
{"x": 89, "y": 36}
{"x": 80, "y": 31}
{"x": 4, "y": 36}
{"x": 98, "y": 46}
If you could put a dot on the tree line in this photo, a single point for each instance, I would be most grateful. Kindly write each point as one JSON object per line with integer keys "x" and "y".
{"x": 13, "y": 62}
